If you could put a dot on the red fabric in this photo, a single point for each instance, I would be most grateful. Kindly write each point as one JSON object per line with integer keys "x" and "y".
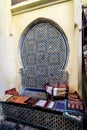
{"x": 57, "y": 90}
{"x": 12, "y": 91}
{"x": 18, "y": 99}
{"x": 75, "y": 105}
{"x": 74, "y": 96}
{"x": 62, "y": 86}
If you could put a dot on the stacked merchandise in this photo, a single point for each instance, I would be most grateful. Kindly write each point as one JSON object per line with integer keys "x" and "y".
{"x": 60, "y": 91}
{"x": 50, "y": 105}
{"x": 12, "y": 91}
{"x": 59, "y": 106}
{"x": 74, "y": 107}
{"x": 54, "y": 92}
{"x": 31, "y": 101}
{"x": 14, "y": 99}
{"x": 18, "y": 99}
{"x": 41, "y": 103}
{"x": 36, "y": 102}
{"x": 5, "y": 97}
{"x": 57, "y": 91}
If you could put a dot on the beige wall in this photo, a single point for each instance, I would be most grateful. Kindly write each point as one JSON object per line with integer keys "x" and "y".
{"x": 63, "y": 15}
{"x": 84, "y": 1}
{"x": 7, "y": 49}
{"x": 10, "y": 33}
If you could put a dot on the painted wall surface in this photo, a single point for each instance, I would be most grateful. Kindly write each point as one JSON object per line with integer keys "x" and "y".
{"x": 63, "y": 14}
{"x": 10, "y": 34}
{"x": 7, "y": 49}
{"x": 84, "y": 1}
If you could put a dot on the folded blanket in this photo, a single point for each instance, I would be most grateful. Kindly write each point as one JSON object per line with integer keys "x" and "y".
{"x": 49, "y": 89}
{"x": 5, "y": 97}
{"x": 50, "y": 104}
{"x": 76, "y": 107}
{"x": 59, "y": 105}
{"x": 18, "y": 99}
{"x": 41, "y": 103}
{"x": 12, "y": 91}
{"x": 31, "y": 100}
{"x": 74, "y": 96}
{"x": 57, "y": 90}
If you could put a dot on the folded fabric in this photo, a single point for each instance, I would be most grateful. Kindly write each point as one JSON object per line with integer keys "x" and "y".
{"x": 50, "y": 104}
{"x": 12, "y": 91}
{"x": 59, "y": 105}
{"x": 77, "y": 118}
{"x": 5, "y": 97}
{"x": 41, "y": 103}
{"x": 76, "y": 107}
{"x": 74, "y": 96}
{"x": 62, "y": 86}
{"x": 57, "y": 90}
{"x": 18, "y": 99}
{"x": 31, "y": 100}
{"x": 49, "y": 89}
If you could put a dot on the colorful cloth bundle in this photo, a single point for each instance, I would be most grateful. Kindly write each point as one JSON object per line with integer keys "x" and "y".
{"x": 60, "y": 92}
{"x": 59, "y": 105}
{"x": 31, "y": 100}
{"x": 50, "y": 104}
{"x": 12, "y": 91}
{"x": 18, "y": 99}
{"x": 5, "y": 97}
{"x": 49, "y": 89}
{"x": 57, "y": 90}
{"x": 74, "y": 96}
{"x": 41, "y": 103}
{"x": 74, "y": 107}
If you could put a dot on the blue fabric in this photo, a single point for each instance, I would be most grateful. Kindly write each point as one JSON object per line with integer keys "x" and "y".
{"x": 34, "y": 89}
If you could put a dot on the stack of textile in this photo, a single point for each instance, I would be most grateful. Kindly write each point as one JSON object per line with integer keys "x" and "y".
{"x": 18, "y": 99}
{"x": 74, "y": 107}
{"x": 60, "y": 91}
{"x": 59, "y": 105}
{"x": 57, "y": 91}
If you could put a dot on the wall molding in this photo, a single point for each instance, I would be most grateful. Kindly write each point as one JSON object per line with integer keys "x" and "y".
{"x": 33, "y": 5}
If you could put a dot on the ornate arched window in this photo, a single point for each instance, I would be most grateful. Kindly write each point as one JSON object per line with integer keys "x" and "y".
{"x": 44, "y": 52}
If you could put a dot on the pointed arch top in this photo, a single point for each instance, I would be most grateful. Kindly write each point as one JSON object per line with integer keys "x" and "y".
{"x": 50, "y": 23}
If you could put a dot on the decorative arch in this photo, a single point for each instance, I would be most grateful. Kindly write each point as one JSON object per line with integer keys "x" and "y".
{"x": 44, "y": 53}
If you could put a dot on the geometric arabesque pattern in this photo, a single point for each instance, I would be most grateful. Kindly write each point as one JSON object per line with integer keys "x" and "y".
{"x": 39, "y": 118}
{"x": 44, "y": 53}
